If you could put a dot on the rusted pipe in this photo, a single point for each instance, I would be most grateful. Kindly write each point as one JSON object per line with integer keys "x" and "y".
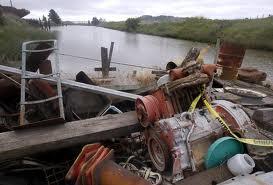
{"x": 177, "y": 73}
{"x": 111, "y": 173}
{"x": 209, "y": 69}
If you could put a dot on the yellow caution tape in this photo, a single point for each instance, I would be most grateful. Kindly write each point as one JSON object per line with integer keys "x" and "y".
{"x": 196, "y": 100}
{"x": 258, "y": 142}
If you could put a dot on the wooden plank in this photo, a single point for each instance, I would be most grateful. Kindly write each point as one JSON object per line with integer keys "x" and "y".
{"x": 19, "y": 143}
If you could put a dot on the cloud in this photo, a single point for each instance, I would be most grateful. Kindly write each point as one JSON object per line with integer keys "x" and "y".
{"x": 122, "y": 9}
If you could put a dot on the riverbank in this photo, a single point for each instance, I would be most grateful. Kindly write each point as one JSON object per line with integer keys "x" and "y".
{"x": 253, "y": 33}
{"x": 13, "y": 33}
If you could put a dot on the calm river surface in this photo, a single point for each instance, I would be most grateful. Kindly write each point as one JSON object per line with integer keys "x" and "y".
{"x": 138, "y": 49}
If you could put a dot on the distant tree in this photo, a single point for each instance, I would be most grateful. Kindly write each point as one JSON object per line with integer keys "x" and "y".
{"x": 49, "y": 24}
{"x": 95, "y": 21}
{"x": 54, "y": 17}
{"x": 45, "y": 25}
{"x": 132, "y": 24}
{"x": 1, "y": 16}
{"x": 88, "y": 22}
{"x": 101, "y": 20}
{"x": 40, "y": 23}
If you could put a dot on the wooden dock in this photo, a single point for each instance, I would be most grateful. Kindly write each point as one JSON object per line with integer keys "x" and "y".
{"x": 19, "y": 143}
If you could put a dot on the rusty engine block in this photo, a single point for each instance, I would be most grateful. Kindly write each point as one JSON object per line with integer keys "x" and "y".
{"x": 178, "y": 140}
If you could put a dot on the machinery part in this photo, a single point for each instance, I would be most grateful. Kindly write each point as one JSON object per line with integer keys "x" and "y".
{"x": 240, "y": 164}
{"x": 222, "y": 150}
{"x": 147, "y": 109}
{"x": 234, "y": 115}
{"x": 173, "y": 97}
{"x": 159, "y": 152}
{"x": 181, "y": 142}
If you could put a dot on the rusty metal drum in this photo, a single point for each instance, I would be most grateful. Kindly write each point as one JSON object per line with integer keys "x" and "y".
{"x": 230, "y": 59}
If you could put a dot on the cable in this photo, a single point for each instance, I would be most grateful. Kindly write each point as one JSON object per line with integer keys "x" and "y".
{"x": 119, "y": 63}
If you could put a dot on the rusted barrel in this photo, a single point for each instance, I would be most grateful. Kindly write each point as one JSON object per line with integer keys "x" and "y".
{"x": 230, "y": 59}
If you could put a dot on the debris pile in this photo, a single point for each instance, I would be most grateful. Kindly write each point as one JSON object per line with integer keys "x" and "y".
{"x": 178, "y": 131}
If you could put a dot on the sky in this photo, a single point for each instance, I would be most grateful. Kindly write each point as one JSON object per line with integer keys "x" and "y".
{"x": 116, "y": 10}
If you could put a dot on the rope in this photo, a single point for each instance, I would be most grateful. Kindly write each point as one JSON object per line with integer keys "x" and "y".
{"x": 146, "y": 173}
{"x": 119, "y": 63}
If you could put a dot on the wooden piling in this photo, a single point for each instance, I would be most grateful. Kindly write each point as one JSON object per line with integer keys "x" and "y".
{"x": 104, "y": 62}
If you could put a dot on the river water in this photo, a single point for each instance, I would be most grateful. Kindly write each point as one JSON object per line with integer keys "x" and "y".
{"x": 137, "y": 49}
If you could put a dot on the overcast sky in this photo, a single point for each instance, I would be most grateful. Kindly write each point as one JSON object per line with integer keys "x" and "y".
{"x": 113, "y": 10}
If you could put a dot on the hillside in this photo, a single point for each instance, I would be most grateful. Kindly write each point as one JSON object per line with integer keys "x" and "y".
{"x": 253, "y": 33}
{"x": 148, "y": 19}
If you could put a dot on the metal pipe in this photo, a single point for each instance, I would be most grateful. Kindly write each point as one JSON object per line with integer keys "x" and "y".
{"x": 58, "y": 78}
{"x": 23, "y": 87}
{"x": 111, "y": 173}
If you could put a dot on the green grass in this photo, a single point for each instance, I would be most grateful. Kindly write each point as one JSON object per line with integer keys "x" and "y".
{"x": 12, "y": 34}
{"x": 253, "y": 33}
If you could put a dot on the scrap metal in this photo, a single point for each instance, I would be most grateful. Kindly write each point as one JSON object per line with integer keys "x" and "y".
{"x": 178, "y": 140}
{"x": 95, "y": 166}
{"x": 76, "y": 85}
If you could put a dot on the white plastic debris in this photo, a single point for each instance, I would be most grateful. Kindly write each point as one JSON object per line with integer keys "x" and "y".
{"x": 241, "y": 164}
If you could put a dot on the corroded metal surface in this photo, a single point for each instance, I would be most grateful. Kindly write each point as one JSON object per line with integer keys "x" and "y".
{"x": 181, "y": 142}
{"x": 94, "y": 166}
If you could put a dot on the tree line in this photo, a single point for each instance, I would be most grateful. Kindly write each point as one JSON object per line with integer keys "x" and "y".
{"x": 52, "y": 19}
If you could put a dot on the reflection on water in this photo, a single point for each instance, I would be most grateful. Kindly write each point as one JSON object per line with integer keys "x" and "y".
{"x": 136, "y": 49}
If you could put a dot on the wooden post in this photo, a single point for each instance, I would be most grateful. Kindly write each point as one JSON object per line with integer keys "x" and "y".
{"x": 104, "y": 62}
{"x": 111, "y": 52}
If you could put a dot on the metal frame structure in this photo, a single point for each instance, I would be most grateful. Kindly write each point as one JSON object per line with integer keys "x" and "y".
{"x": 77, "y": 85}
{"x": 55, "y": 75}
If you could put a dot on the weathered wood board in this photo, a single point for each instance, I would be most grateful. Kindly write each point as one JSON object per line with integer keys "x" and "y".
{"x": 19, "y": 143}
